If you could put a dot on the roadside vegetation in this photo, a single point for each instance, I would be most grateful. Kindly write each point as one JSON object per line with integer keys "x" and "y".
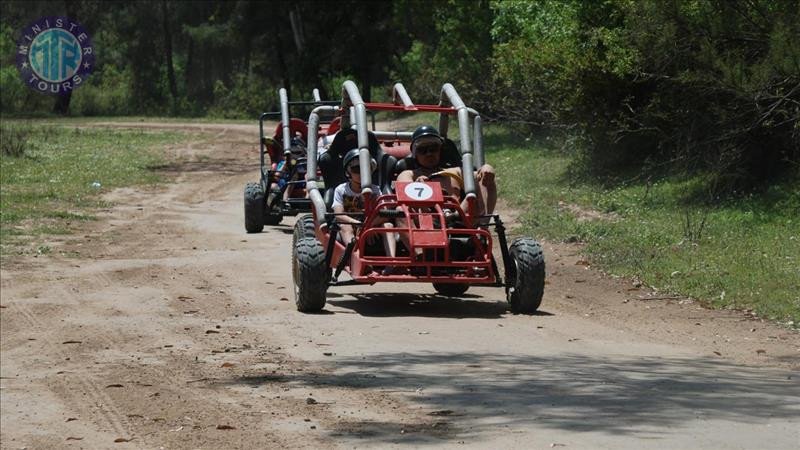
{"x": 741, "y": 252}
{"x": 52, "y": 177}
{"x": 680, "y": 119}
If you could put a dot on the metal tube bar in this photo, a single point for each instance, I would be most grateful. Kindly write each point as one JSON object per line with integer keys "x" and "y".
{"x": 287, "y": 137}
{"x": 393, "y": 135}
{"x": 477, "y": 141}
{"x": 468, "y": 173}
{"x": 261, "y": 142}
{"x": 311, "y": 146}
{"x": 352, "y": 96}
{"x": 317, "y": 201}
{"x": 449, "y": 95}
{"x": 400, "y": 91}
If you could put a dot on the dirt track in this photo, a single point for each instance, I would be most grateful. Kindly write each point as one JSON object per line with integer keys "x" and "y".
{"x": 175, "y": 329}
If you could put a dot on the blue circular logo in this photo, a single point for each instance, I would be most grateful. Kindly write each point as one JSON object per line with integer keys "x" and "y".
{"x": 55, "y": 55}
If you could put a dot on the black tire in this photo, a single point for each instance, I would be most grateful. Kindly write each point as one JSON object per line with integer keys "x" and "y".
{"x": 310, "y": 274}
{"x": 254, "y": 205}
{"x": 303, "y": 227}
{"x": 526, "y": 279}
{"x": 274, "y": 216}
{"x": 451, "y": 289}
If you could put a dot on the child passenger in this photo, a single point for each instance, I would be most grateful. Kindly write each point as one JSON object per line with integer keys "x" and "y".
{"x": 347, "y": 199}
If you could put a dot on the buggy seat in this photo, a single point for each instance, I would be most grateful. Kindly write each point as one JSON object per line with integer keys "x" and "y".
{"x": 297, "y": 128}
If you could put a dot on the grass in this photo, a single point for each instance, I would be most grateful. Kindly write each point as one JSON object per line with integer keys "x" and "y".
{"x": 66, "y": 121}
{"x": 740, "y": 254}
{"x": 56, "y": 181}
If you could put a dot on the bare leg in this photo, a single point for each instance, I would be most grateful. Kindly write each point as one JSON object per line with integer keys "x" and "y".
{"x": 487, "y": 192}
{"x": 389, "y": 241}
{"x": 346, "y": 232}
{"x": 488, "y": 189}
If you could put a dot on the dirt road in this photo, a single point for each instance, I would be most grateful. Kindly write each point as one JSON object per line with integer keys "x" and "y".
{"x": 172, "y": 328}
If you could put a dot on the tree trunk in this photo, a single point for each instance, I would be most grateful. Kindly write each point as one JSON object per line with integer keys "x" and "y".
{"x": 282, "y": 67}
{"x": 173, "y": 87}
{"x": 62, "y": 102}
{"x": 189, "y": 68}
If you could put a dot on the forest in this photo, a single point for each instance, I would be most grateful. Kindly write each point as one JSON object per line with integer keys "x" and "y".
{"x": 636, "y": 88}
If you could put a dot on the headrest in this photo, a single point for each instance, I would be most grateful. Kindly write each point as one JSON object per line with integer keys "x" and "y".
{"x": 296, "y": 128}
{"x": 346, "y": 140}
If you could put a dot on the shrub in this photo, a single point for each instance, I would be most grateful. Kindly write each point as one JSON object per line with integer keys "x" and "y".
{"x": 14, "y": 139}
{"x": 662, "y": 86}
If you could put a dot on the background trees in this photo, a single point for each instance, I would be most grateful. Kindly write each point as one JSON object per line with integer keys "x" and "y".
{"x": 695, "y": 85}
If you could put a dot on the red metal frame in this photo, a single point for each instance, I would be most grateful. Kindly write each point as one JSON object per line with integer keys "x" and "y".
{"x": 425, "y": 225}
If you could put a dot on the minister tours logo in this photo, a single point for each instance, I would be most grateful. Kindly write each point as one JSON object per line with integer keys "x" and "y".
{"x": 55, "y": 55}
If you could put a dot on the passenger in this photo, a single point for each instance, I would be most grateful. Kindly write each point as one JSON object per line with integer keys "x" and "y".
{"x": 347, "y": 199}
{"x": 290, "y": 170}
{"x": 426, "y": 147}
{"x": 324, "y": 143}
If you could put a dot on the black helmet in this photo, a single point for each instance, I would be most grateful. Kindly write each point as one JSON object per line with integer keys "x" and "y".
{"x": 424, "y": 131}
{"x": 350, "y": 156}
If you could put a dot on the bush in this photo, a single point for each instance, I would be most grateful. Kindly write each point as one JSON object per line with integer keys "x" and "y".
{"x": 661, "y": 86}
{"x": 107, "y": 93}
{"x": 246, "y": 98}
{"x": 14, "y": 139}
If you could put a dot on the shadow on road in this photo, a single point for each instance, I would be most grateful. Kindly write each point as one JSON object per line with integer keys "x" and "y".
{"x": 485, "y": 392}
{"x": 423, "y": 305}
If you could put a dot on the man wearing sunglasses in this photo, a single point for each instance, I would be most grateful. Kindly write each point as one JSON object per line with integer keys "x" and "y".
{"x": 426, "y": 148}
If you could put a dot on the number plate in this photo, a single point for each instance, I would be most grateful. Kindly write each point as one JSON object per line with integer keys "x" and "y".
{"x": 430, "y": 192}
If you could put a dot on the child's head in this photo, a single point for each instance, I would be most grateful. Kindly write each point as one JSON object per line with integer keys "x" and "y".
{"x": 352, "y": 169}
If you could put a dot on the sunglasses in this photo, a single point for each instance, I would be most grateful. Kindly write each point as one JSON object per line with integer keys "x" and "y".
{"x": 426, "y": 149}
{"x": 355, "y": 168}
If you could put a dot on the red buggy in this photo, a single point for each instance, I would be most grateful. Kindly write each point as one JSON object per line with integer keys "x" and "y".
{"x": 444, "y": 243}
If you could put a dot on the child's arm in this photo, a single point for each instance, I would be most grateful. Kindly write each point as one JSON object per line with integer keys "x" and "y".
{"x": 343, "y": 218}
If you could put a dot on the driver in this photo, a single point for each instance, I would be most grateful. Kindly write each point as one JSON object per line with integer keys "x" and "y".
{"x": 426, "y": 148}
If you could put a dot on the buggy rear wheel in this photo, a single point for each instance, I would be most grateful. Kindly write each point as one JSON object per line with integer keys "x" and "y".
{"x": 254, "y": 205}
{"x": 525, "y": 279}
{"x": 310, "y": 275}
{"x": 451, "y": 289}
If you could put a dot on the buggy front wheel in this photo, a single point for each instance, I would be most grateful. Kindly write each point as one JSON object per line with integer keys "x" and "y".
{"x": 525, "y": 279}
{"x": 303, "y": 227}
{"x": 310, "y": 274}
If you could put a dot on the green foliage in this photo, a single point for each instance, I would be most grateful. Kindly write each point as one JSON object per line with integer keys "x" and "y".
{"x": 688, "y": 86}
{"x": 109, "y": 94}
{"x": 459, "y": 52}
{"x": 246, "y": 98}
{"x": 743, "y": 253}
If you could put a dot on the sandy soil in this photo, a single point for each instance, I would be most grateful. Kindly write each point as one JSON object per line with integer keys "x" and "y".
{"x": 173, "y": 328}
